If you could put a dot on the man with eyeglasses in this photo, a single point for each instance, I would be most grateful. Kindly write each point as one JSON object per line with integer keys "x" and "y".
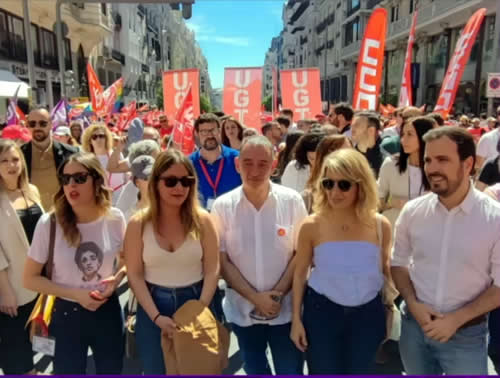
{"x": 214, "y": 162}
{"x": 44, "y": 155}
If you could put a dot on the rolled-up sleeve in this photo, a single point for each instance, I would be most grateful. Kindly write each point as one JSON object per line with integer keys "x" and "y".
{"x": 401, "y": 250}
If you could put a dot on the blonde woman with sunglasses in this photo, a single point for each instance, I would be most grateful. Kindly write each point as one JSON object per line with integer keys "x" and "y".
{"x": 343, "y": 318}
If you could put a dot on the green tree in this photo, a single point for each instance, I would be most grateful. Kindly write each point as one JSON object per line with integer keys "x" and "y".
{"x": 268, "y": 103}
{"x": 205, "y": 105}
{"x": 159, "y": 96}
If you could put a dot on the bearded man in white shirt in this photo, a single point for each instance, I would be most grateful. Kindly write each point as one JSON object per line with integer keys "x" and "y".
{"x": 450, "y": 281}
{"x": 258, "y": 223}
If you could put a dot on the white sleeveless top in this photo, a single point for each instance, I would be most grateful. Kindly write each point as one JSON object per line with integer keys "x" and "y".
{"x": 181, "y": 268}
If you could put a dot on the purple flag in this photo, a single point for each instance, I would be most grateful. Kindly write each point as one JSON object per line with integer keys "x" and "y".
{"x": 12, "y": 109}
{"x": 59, "y": 115}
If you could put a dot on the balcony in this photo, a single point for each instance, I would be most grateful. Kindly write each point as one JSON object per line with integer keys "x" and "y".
{"x": 299, "y": 12}
{"x": 91, "y": 14}
{"x": 434, "y": 13}
{"x": 351, "y": 50}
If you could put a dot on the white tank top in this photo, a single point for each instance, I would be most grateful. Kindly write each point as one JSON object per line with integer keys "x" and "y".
{"x": 171, "y": 269}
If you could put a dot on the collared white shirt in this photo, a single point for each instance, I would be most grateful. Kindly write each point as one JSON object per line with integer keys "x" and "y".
{"x": 260, "y": 244}
{"x": 453, "y": 256}
{"x": 487, "y": 145}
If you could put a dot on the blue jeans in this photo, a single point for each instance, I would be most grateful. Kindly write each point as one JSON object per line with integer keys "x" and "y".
{"x": 253, "y": 341}
{"x": 76, "y": 329}
{"x": 464, "y": 353}
{"x": 494, "y": 328}
{"x": 342, "y": 340}
{"x": 148, "y": 334}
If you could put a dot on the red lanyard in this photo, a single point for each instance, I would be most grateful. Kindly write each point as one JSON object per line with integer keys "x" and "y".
{"x": 209, "y": 179}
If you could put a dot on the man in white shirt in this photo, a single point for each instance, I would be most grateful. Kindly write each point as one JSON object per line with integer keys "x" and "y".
{"x": 450, "y": 281}
{"x": 258, "y": 223}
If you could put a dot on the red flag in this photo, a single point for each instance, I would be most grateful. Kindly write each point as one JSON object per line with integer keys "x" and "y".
{"x": 182, "y": 134}
{"x": 95, "y": 91}
{"x": 301, "y": 92}
{"x": 20, "y": 114}
{"x": 370, "y": 63}
{"x": 128, "y": 113}
{"x": 458, "y": 62}
{"x": 406, "y": 94}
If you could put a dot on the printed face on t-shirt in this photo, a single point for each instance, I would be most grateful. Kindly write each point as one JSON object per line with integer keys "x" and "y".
{"x": 89, "y": 258}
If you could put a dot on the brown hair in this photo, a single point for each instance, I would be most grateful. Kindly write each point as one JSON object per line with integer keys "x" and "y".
{"x": 225, "y": 139}
{"x": 23, "y": 180}
{"x": 87, "y": 136}
{"x": 62, "y": 208}
{"x": 190, "y": 209}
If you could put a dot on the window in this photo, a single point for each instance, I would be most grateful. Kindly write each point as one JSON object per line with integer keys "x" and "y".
{"x": 35, "y": 42}
{"x": 17, "y": 41}
{"x": 352, "y": 32}
{"x": 4, "y": 36}
{"x": 394, "y": 13}
{"x": 352, "y": 6}
{"x": 49, "y": 50}
{"x": 412, "y": 6}
{"x": 68, "y": 62}
{"x": 104, "y": 8}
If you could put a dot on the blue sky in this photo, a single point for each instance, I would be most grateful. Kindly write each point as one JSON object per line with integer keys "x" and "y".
{"x": 235, "y": 33}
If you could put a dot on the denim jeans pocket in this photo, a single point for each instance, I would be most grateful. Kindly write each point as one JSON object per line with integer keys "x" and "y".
{"x": 475, "y": 334}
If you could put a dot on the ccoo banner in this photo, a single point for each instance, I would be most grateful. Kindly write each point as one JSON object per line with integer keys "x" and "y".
{"x": 242, "y": 94}
{"x": 301, "y": 92}
{"x": 370, "y": 63}
{"x": 176, "y": 85}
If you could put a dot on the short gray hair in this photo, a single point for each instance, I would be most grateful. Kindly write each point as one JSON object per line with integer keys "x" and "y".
{"x": 143, "y": 147}
{"x": 257, "y": 140}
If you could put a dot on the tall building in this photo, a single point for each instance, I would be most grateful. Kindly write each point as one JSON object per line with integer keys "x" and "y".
{"x": 327, "y": 34}
{"x": 85, "y": 26}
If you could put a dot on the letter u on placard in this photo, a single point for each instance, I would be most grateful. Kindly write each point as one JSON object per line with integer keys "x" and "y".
{"x": 295, "y": 80}
{"x": 184, "y": 85}
{"x": 246, "y": 79}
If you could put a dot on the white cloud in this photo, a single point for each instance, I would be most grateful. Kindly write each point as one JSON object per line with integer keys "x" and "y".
{"x": 234, "y": 41}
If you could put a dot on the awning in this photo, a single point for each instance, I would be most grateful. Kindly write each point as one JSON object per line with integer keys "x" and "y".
{"x": 9, "y": 84}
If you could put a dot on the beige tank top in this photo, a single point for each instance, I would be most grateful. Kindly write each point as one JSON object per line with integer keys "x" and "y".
{"x": 171, "y": 269}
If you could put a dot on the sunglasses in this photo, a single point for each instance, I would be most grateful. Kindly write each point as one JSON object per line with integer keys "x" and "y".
{"x": 98, "y": 136}
{"x": 171, "y": 181}
{"x": 43, "y": 124}
{"x": 343, "y": 185}
{"x": 78, "y": 178}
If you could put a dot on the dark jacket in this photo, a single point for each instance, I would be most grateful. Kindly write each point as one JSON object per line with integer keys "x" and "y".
{"x": 61, "y": 152}
{"x": 376, "y": 156}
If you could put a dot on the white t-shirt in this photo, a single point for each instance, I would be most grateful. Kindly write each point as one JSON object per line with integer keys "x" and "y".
{"x": 85, "y": 266}
{"x": 295, "y": 178}
{"x": 127, "y": 201}
{"x": 415, "y": 177}
{"x": 487, "y": 145}
{"x": 116, "y": 181}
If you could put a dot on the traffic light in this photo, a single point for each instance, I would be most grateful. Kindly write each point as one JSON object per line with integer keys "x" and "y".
{"x": 187, "y": 7}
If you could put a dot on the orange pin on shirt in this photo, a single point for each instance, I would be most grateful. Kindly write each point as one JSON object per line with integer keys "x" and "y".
{"x": 281, "y": 232}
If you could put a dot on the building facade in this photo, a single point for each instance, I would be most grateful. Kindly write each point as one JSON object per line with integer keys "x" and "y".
{"x": 85, "y": 26}
{"x": 327, "y": 34}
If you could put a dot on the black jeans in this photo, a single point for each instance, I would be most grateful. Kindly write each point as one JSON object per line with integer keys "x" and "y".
{"x": 342, "y": 340}
{"x": 76, "y": 329}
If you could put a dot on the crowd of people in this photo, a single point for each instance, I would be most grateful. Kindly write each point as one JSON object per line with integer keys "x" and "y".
{"x": 322, "y": 229}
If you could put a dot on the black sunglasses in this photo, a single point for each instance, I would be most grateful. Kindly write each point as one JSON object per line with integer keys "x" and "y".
{"x": 43, "y": 124}
{"x": 98, "y": 136}
{"x": 343, "y": 185}
{"x": 171, "y": 181}
{"x": 79, "y": 178}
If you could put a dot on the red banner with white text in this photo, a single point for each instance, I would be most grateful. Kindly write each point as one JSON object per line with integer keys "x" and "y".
{"x": 183, "y": 133}
{"x": 243, "y": 95}
{"x": 458, "y": 62}
{"x": 176, "y": 84}
{"x": 370, "y": 62}
{"x": 301, "y": 92}
{"x": 96, "y": 91}
{"x": 406, "y": 93}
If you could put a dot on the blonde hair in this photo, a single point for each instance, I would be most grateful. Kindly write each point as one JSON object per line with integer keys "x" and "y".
{"x": 190, "y": 209}
{"x": 352, "y": 166}
{"x": 62, "y": 208}
{"x": 23, "y": 180}
{"x": 87, "y": 137}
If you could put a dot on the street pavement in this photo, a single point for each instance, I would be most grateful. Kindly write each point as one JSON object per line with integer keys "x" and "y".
{"x": 393, "y": 366}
